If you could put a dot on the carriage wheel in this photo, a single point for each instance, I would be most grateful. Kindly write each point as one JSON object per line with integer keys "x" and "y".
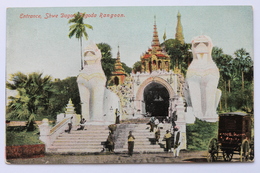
{"x": 212, "y": 155}
{"x": 228, "y": 155}
{"x": 244, "y": 151}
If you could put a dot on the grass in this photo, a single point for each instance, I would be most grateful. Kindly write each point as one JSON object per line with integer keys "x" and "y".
{"x": 14, "y": 138}
{"x": 199, "y": 134}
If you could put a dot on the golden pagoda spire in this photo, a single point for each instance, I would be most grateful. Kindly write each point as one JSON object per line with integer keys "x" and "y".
{"x": 118, "y": 53}
{"x": 179, "y": 34}
{"x": 164, "y": 35}
{"x": 118, "y": 64}
{"x": 155, "y": 42}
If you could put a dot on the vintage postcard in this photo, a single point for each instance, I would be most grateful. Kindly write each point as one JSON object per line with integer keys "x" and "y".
{"x": 119, "y": 85}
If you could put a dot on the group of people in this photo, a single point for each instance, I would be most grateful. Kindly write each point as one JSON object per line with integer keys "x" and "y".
{"x": 81, "y": 125}
{"x": 110, "y": 143}
{"x": 173, "y": 140}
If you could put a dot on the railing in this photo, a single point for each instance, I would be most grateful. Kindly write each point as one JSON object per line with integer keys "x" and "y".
{"x": 48, "y": 134}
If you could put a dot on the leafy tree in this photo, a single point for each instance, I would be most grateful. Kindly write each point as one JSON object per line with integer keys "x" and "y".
{"x": 224, "y": 63}
{"x": 127, "y": 69}
{"x": 108, "y": 63}
{"x": 243, "y": 63}
{"x": 64, "y": 90}
{"x": 32, "y": 99}
{"x": 179, "y": 54}
{"x": 78, "y": 28}
{"x": 243, "y": 66}
{"x": 137, "y": 67}
{"x": 232, "y": 72}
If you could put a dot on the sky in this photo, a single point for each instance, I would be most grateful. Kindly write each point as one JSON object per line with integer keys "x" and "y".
{"x": 42, "y": 44}
{"x": 57, "y": 55}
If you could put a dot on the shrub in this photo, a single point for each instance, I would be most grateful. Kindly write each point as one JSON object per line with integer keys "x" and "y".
{"x": 200, "y": 133}
{"x": 14, "y": 138}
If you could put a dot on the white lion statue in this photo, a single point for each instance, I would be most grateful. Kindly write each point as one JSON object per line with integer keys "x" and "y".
{"x": 91, "y": 82}
{"x": 202, "y": 78}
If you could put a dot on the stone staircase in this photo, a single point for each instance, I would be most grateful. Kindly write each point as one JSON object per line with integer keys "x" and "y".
{"x": 89, "y": 141}
{"x": 81, "y": 141}
{"x": 144, "y": 139}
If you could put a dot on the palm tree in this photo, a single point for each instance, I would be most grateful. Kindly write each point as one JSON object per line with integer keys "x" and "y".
{"x": 33, "y": 96}
{"x": 243, "y": 63}
{"x": 79, "y": 30}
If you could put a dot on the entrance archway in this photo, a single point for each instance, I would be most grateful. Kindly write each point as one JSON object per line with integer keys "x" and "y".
{"x": 156, "y": 99}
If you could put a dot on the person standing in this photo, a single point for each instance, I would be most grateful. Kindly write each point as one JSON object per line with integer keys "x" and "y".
{"x": 151, "y": 123}
{"x": 157, "y": 134}
{"x": 70, "y": 125}
{"x": 177, "y": 142}
{"x": 110, "y": 142}
{"x": 117, "y": 116}
{"x": 167, "y": 138}
{"x": 131, "y": 139}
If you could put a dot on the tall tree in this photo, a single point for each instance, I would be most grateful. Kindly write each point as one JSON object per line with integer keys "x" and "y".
{"x": 127, "y": 69}
{"x": 33, "y": 96}
{"x": 64, "y": 90}
{"x": 137, "y": 67}
{"x": 243, "y": 63}
{"x": 179, "y": 54}
{"x": 78, "y": 28}
{"x": 108, "y": 63}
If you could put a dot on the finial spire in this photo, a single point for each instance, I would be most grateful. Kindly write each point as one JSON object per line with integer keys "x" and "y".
{"x": 179, "y": 34}
{"x": 155, "y": 42}
{"x": 164, "y": 35}
{"x": 118, "y": 53}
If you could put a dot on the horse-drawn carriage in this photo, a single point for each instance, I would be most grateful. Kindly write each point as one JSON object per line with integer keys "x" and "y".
{"x": 234, "y": 137}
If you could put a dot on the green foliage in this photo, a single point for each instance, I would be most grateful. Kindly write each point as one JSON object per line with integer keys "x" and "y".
{"x": 107, "y": 62}
{"x": 179, "y": 54}
{"x": 39, "y": 97}
{"x": 127, "y": 69}
{"x": 200, "y": 133}
{"x": 78, "y": 28}
{"x": 22, "y": 138}
{"x": 34, "y": 92}
{"x": 236, "y": 80}
{"x": 137, "y": 67}
{"x": 64, "y": 90}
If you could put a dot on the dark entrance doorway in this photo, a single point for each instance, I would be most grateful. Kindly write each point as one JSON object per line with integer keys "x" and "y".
{"x": 156, "y": 98}
{"x": 116, "y": 81}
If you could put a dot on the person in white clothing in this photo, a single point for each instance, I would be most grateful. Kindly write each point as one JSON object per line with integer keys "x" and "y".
{"x": 177, "y": 141}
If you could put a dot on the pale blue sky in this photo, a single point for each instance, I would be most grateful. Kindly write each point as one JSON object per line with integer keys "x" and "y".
{"x": 43, "y": 45}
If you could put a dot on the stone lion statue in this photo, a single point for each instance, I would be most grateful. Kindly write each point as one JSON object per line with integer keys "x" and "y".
{"x": 91, "y": 83}
{"x": 202, "y": 79}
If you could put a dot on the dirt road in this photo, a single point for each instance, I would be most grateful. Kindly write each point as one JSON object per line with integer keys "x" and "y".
{"x": 194, "y": 156}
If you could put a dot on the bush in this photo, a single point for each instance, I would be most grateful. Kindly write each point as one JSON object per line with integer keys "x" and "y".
{"x": 14, "y": 138}
{"x": 200, "y": 133}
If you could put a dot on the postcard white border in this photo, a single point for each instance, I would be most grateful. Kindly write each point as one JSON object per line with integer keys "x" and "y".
{"x": 180, "y": 168}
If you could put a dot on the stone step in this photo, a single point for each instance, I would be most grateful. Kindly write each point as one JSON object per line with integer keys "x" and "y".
{"x": 76, "y": 147}
{"x": 88, "y": 131}
{"x": 71, "y": 145}
{"x": 84, "y": 135}
{"x": 78, "y": 141}
{"x": 75, "y": 150}
{"x": 89, "y": 141}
